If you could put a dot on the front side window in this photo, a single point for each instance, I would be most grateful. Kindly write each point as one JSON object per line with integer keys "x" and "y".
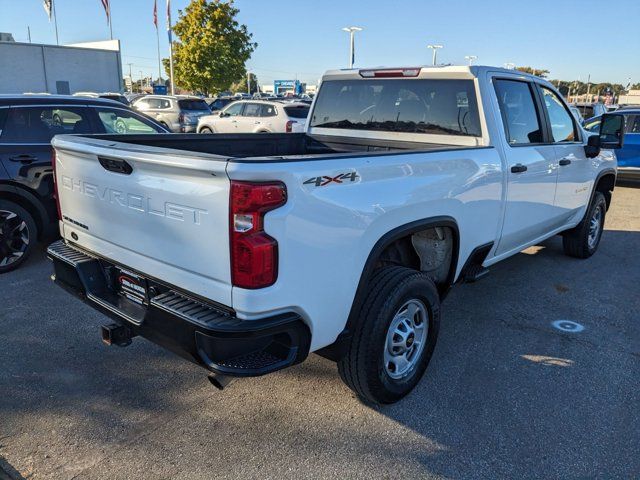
{"x": 234, "y": 109}
{"x": 122, "y": 121}
{"x": 445, "y": 107}
{"x": 518, "y": 111}
{"x": 562, "y": 127}
{"x": 142, "y": 104}
{"x": 40, "y": 124}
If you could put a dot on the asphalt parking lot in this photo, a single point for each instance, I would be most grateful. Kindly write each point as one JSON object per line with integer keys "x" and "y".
{"x": 506, "y": 394}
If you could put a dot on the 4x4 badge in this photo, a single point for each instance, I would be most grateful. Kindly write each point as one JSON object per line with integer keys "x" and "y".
{"x": 326, "y": 180}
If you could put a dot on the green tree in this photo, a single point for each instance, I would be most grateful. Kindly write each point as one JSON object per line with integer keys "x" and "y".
{"x": 534, "y": 71}
{"x": 241, "y": 85}
{"x": 211, "y": 47}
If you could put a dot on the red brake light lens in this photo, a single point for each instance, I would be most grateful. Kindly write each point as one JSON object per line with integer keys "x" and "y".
{"x": 289, "y": 126}
{"x": 390, "y": 73}
{"x": 254, "y": 254}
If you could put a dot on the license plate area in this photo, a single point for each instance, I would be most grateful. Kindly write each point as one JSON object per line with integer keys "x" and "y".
{"x": 132, "y": 286}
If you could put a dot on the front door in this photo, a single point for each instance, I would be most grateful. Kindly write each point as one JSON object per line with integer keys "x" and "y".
{"x": 531, "y": 167}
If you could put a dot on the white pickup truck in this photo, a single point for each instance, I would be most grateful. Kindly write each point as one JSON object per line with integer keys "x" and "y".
{"x": 243, "y": 253}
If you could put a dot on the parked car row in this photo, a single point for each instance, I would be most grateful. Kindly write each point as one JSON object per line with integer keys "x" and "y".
{"x": 27, "y": 125}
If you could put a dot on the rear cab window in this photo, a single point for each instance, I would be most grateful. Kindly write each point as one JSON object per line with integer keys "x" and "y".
{"x": 428, "y": 106}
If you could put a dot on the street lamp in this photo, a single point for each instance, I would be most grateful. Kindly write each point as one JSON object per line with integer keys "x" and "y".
{"x": 470, "y": 58}
{"x": 352, "y": 31}
{"x": 435, "y": 52}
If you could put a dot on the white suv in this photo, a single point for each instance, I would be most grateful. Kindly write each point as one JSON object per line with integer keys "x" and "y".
{"x": 256, "y": 116}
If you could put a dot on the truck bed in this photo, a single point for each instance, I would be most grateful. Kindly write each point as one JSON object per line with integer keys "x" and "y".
{"x": 254, "y": 147}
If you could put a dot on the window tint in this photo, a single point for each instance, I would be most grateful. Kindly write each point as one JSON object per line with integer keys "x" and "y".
{"x": 3, "y": 117}
{"x": 562, "y": 127}
{"x": 400, "y": 105}
{"x": 123, "y": 121}
{"x": 297, "y": 112}
{"x": 193, "y": 105}
{"x": 164, "y": 103}
{"x": 632, "y": 123}
{"x": 267, "y": 111}
{"x": 39, "y": 125}
{"x": 251, "y": 110}
{"x": 518, "y": 110}
{"x": 234, "y": 109}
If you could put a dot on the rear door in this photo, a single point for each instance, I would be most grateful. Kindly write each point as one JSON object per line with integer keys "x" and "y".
{"x": 532, "y": 166}
{"x": 250, "y": 120}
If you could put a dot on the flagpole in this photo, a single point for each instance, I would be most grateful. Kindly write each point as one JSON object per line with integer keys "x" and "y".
{"x": 55, "y": 20}
{"x": 159, "y": 59}
{"x": 173, "y": 91}
{"x": 110, "y": 24}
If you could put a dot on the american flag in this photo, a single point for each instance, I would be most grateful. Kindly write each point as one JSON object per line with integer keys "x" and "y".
{"x": 107, "y": 10}
{"x": 169, "y": 20}
{"x": 48, "y": 4}
{"x": 155, "y": 13}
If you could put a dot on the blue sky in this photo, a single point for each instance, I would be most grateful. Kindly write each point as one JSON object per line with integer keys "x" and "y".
{"x": 303, "y": 38}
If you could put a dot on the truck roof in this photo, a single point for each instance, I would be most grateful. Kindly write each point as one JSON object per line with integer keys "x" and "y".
{"x": 426, "y": 71}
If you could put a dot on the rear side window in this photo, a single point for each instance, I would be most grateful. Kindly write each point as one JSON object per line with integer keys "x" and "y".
{"x": 192, "y": 105}
{"x": 297, "y": 111}
{"x": 446, "y": 107}
{"x": 251, "y": 110}
{"x": 115, "y": 120}
{"x": 41, "y": 124}
{"x": 267, "y": 111}
{"x": 519, "y": 113}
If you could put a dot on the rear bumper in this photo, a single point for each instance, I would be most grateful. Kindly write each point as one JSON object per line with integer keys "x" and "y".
{"x": 198, "y": 331}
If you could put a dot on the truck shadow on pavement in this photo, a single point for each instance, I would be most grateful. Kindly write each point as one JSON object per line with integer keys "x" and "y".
{"x": 506, "y": 394}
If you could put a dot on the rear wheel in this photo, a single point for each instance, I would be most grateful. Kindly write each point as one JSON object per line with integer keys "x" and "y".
{"x": 583, "y": 240}
{"x": 18, "y": 234}
{"x": 395, "y": 335}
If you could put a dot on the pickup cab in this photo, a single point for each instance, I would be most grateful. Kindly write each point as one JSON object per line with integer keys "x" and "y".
{"x": 243, "y": 253}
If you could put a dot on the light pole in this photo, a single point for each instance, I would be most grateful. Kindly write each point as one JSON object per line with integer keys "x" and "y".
{"x": 471, "y": 58}
{"x": 130, "y": 78}
{"x": 435, "y": 52}
{"x": 510, "y": 66}
{"x": 352, "y": 49}
{"x": 248, "y": 82}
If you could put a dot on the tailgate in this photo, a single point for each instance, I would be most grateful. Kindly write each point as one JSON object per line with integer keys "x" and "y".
{"x": 163, "y": 213}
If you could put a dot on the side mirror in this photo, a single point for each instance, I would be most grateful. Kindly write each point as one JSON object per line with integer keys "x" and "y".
{"x": 592, "y": 148}
{"x": 222, "y": 114}
{"x": 611, "y": 131}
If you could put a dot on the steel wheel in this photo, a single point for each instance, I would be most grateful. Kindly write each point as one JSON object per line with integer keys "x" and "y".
{"x": 14, "y": 237}
{"x": 405, "y": 339}
{"x": 595, "y": 227}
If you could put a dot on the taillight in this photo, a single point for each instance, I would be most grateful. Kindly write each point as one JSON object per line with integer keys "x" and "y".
{"x": 181, "y": 118}
{"x": 254, "y": 254}
{"x": 289, "y": 126}
{"x": 55, "y": 184}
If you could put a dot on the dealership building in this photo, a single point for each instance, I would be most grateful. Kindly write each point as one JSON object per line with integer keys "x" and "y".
{"x": 58, "y": 69}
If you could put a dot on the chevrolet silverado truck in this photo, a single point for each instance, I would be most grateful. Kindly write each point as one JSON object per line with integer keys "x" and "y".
{"x": 243, "y": 253}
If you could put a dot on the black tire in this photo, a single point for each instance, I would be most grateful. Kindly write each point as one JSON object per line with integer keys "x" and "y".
{"x": 363, "y": 368}
{"x": 16, "y": 227}
{"x": 580, "y": 242}
{"x": 206, "y": 130}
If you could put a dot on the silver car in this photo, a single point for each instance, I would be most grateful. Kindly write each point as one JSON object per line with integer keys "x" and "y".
{"x": 178, "y": 113}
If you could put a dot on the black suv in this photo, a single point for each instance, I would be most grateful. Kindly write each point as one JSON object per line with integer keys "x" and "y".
{"x": 27, "y": 125}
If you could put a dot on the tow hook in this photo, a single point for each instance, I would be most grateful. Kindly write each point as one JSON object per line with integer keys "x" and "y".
{"x": 220, "y": 381}
{"x": 115, "y": 334}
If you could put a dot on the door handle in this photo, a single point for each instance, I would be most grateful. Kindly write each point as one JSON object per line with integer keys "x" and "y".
{"x": 519, "y": 168}
{"x": 23, "y": 158}
{"x": 564, "y": 162}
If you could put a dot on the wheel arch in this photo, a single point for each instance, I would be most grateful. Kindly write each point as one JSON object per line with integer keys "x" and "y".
{"x": 605, "y": 183}
{"x": 338, "y": 348}
{"x": 29, "y": 202}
